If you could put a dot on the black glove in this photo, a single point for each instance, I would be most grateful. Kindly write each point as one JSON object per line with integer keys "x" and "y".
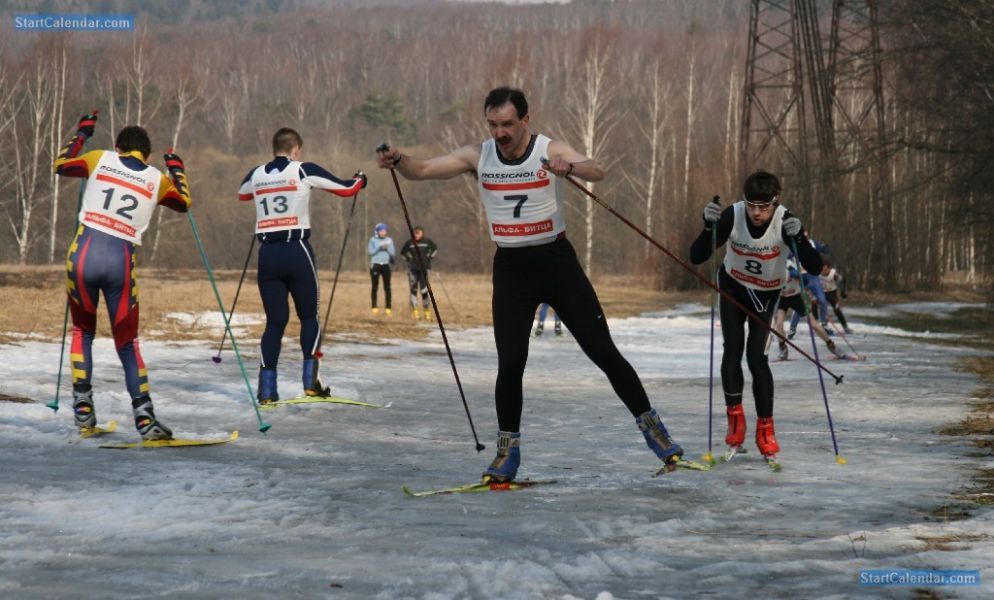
{"x": 87, "y": 123}
{"x": 173, "y": 162}
{"x": 361, "y": 175}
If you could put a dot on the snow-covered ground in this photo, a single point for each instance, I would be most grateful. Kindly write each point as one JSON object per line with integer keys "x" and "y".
{"x": 314, "y": 509}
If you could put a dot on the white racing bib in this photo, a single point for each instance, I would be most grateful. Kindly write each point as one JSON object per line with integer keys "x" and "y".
{"x": 118, "y": 200}
{"x": 828, "y": 282}
{"x": 282, "y": 201}
{"x": 523, "y": 201}
{"x": 760, "y": 264}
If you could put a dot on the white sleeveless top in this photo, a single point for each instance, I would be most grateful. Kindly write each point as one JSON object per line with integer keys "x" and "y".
{"x": 828, "y": 282}
{"x": 119, "y": 201}
{"x": 791, "y": 287}
{"x": 524, "y": 202}
{"x": 760, "y": 263}
{"x": 282, "y": 200}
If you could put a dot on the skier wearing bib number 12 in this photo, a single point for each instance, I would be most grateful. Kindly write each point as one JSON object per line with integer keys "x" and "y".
{"x": 281, "y": 190}
{"x": 758, "y": 231}
{"x": 520, "y": 184}
{"x": 121, "y": 194}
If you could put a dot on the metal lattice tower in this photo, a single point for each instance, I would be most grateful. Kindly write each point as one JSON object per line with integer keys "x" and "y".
{"x": 813, "y": 112}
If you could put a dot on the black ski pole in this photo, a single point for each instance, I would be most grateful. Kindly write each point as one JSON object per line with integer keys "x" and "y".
{"x": 238, "y": 290}
{"x": 334, "y": 283}
{"x": 724, "y": 294}
{"x": 417, "y": 256}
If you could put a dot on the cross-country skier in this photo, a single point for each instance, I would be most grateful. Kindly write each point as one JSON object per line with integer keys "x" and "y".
{"x": 790, "y": 298}
{"x": 121, "y": 194}
{"x": 543, "y": 311}
{"x": 416, "y": 276}
{"x": 832, "y": 283}
{"x": 520, "y": 184}
{"x": 757, "y": 229}
{"x": 281, "y": 191}
{"x": 381, "y": 251}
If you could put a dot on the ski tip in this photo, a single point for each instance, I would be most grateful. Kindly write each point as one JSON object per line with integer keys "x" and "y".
{"x": 839, "y": 459}
{"x": 407, "y": 491}
{"x": 234, "y": 435}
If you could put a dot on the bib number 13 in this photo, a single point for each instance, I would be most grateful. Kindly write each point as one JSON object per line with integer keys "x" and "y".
{"x": 520, "y": 199}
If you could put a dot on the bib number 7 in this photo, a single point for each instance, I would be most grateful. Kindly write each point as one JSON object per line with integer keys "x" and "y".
{"x": 520, "y": 199}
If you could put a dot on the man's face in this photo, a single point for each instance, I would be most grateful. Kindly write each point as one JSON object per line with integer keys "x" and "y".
{"x": 825, "y": 269}
{"x": 506, "y": 128}
{"x": 418, "y": 234}
{"x": 759, "y": 213}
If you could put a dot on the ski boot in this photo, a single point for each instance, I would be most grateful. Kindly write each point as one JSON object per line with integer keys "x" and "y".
{"x": 847, "y": 329}
{"x": 82, "y": 406}
{"x": 312, "y": 385}
{"x": 388, "y": 312}
{"x": 266, "y": 393}
{"x": 766, "y": 439}
{"x": 783, "y": 352}
{"x": 416, "y": 314}
{"x": 791, "y": 333}
{"x": 428, "y": 316}
{"x": 145, "y": 422}
{"x": 505, "y": 466}
{"x": 559, "y": 328}
{"x": 828, "y": 329}
{"x": 736, "y": 426}
{"x": 835, "y": 350}
{"x": 375, "y": 311}
{"x": 657, "y": 438}
{"x": 539, "y": 329}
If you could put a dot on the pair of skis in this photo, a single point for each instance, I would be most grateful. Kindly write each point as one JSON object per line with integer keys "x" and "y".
{"x": 111, "y": 427}
{"x": 771, "y": 461}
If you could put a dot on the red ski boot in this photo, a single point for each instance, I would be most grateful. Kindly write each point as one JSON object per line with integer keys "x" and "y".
{"x": 766, "y": 439}
{"x": 736, "y": 426}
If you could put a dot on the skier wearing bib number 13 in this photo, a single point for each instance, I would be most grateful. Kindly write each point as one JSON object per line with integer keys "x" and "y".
{"x": 281, "y": 192}
{"x": 520, "y": 183}
{"x": 121, "y": 194}
{"x": 758, "y": 231}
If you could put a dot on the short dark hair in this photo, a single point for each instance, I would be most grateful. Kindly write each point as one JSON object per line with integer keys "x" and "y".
{"x": 418, "y": 228}
{"x": 500, "y": 96}
{"x": 134, "y": 137}
{"x": 761, "y": 187}
{"x": 285, "y": 139}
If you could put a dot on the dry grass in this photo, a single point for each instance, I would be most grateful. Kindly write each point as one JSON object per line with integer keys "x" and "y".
{"x": 38, "y": 300}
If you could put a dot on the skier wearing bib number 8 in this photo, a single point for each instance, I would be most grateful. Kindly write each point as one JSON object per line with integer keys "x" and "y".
{"x": 120, "y": 197}
{"x": 281, "y": 191}
{"x": 758, "y": 231}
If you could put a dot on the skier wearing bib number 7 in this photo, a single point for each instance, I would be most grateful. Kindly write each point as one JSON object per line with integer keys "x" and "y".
{"x": 281, "y": 191}
{"x": 121, "y": 194}
{"x": 520, "y": 184}
{"x": 758, "y": 231}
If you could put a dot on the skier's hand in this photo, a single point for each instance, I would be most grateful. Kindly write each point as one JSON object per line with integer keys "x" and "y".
{"x": 387, "y": 156}
{"x": 712, "y": 213}
{"x": 361, "y": 175}
{"x": 792, "y": 226}
{"x": 384, "y": 245}
{"x": 87, "y": 123}
{"x": 173, "y": 162}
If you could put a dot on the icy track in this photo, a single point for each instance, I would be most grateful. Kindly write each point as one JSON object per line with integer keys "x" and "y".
{"x": 314, "y": 509}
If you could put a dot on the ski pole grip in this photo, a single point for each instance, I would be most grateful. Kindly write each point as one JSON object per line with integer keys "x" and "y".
{"x": 384, "y": 147}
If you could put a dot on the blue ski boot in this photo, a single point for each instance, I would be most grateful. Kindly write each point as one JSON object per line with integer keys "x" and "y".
{"x": 266, "y": 392}
{"x": 82, "y": 406}
{"x": 505, "y": 465}
{"x": 657, "y": 438}
{"x": 312, "y": 385}
{"x": 145, "y": 422}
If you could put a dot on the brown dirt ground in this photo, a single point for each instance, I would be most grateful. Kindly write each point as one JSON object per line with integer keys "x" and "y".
{"x": 35, "y": 302}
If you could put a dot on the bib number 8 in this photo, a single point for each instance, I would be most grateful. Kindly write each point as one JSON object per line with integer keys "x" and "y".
{"x": 754, "y": 266}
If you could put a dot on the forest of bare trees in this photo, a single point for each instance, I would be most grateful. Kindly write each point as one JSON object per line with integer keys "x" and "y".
{"x": 653, "y": 90}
